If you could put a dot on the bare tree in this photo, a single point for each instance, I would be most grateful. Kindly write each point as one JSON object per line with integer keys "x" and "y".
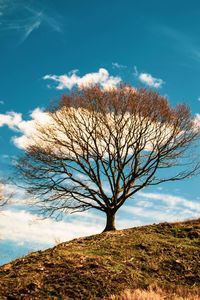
{"x": 99, "y": 148}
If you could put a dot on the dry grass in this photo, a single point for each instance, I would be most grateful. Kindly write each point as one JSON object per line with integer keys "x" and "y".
{"x": 155, "y": 293}
{"x": 138, "y": 295}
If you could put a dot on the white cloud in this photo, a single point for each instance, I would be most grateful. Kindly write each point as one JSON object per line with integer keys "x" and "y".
{"x": 197, "y": 120}
{"x": 152, "y": 215}
{"x": 11, "y": 119}
{"x": 172, "y": 201}
{"x": 102, "y": 77}
{"x": 31, "y": 136}
{"x": 150, "y": 81}
{"x": 156, "y": 207}
{"x": 22, "y": 226}
{"x": 27, "y": 128}
{"x": 17, "y": 196}
{"x": 128, "y": 223}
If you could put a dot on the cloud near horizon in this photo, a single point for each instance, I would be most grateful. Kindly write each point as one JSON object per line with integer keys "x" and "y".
{"x": 161, "y": 207}
{"x": 172, "y": 201}
{"x": 21, "y": 226}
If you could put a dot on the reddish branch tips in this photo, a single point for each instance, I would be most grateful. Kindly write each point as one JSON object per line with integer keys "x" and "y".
{"x": 125, "y": 99}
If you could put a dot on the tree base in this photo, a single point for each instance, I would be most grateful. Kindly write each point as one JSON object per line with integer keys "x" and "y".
{"x": 109, "y": 229}
{"x": 110, "y": 222}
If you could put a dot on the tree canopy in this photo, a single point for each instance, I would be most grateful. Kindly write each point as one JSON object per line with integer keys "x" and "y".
{"x": 98, "y": 148}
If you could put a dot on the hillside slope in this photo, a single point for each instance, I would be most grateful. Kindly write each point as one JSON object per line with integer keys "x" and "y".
{"x": 166, "y": 255}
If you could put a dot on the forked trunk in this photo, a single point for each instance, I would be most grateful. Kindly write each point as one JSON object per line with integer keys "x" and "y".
{"x": 110, "y": 221}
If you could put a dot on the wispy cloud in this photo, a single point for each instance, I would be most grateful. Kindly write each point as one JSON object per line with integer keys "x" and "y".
{"x": 45, "y": 19}
{"x": 116, "y": 65}
{"x": 157, "y": 207}
{"x": 3, "y": 6}
{"x": 136, "y": 73}
{"x": 30, "y": 28}
{"x": 172, "y": 201}
{"x": 31, "y": 19}
{"x": 180, "y": 41}
{"x": 150, "y": 81}
{"x": 70, "y": 80}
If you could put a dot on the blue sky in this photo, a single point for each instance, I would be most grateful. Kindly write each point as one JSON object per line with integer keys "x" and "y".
{"x": 48, "y": 47}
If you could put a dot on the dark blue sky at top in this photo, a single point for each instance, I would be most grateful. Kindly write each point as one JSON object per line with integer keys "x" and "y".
{"x": 161, "y": 38}
{"x": 158, "y": 37}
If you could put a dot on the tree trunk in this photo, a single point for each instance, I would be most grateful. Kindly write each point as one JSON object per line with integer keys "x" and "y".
{"x": 110, "y": 221}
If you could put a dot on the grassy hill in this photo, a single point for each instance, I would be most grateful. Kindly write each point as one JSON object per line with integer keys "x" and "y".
{"x": 165, "y": 256}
